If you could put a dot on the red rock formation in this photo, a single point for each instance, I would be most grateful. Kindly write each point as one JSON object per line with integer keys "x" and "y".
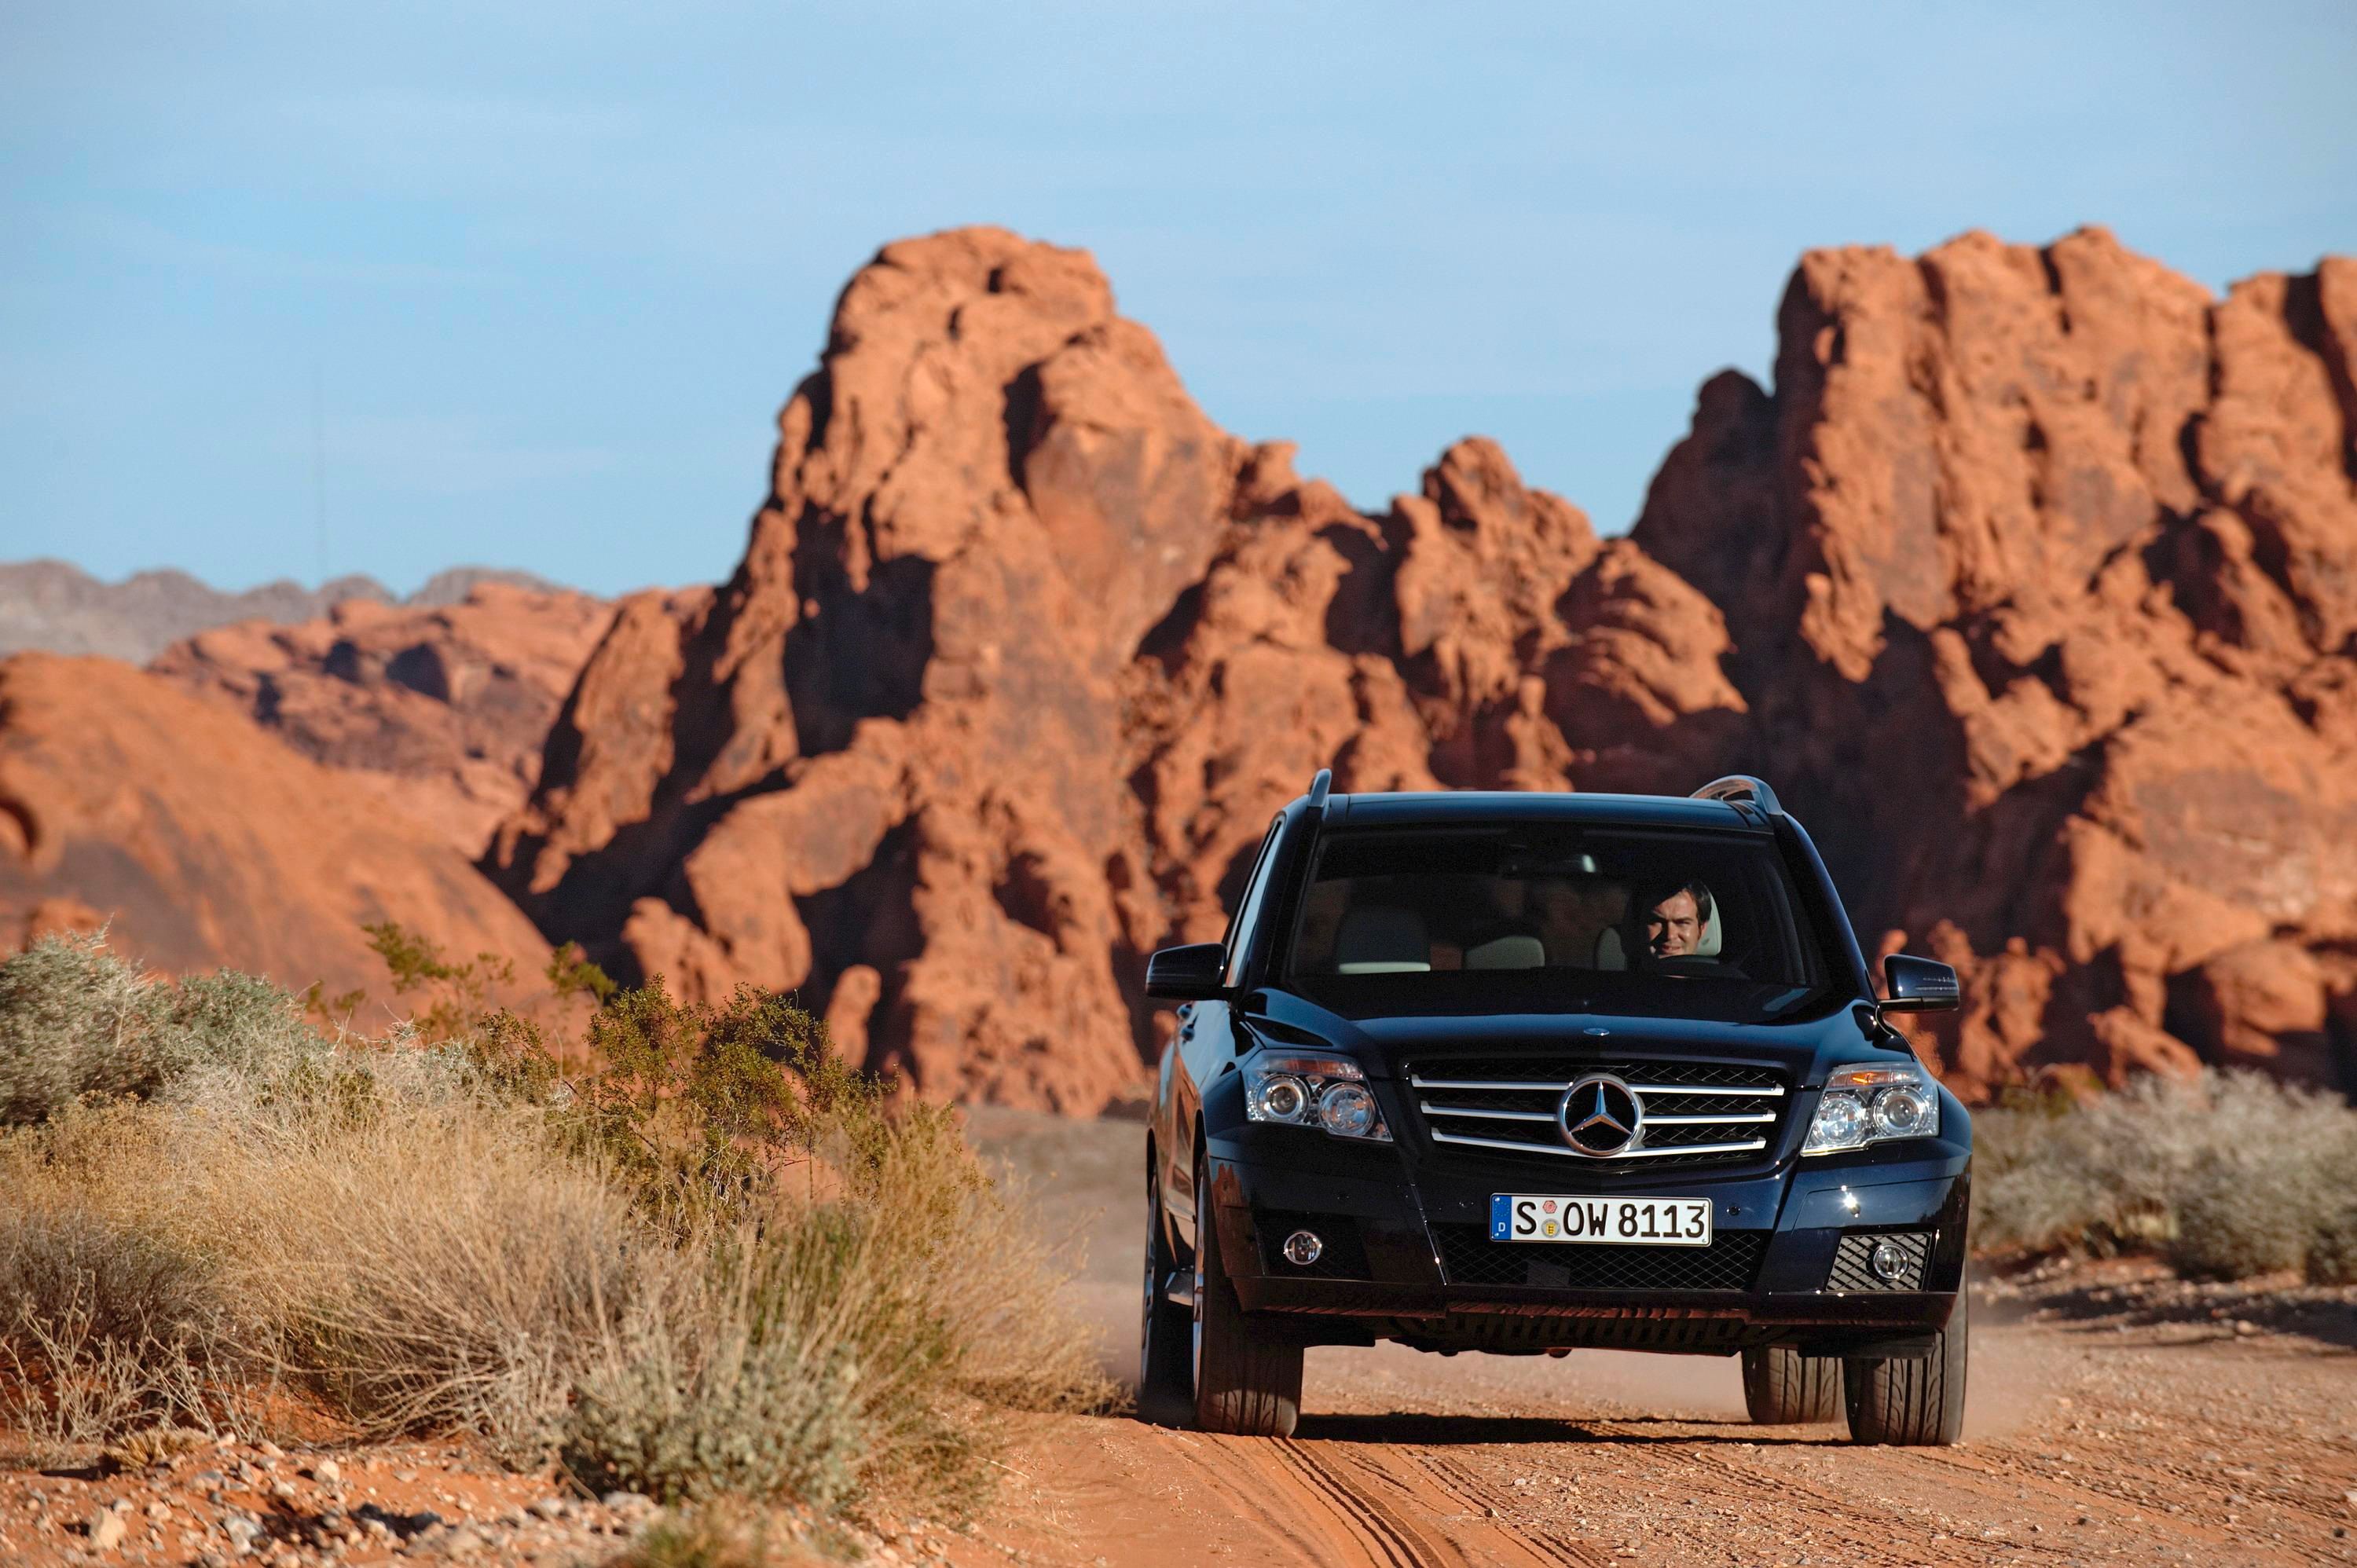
{"x": 207, "y": 843}
{"x": 1022, "y": 654}
{"x": 441, "y": 711}
{"x": 892, "y": 741}
{"x": 2032, "y": 584}
{"x": 2041, "y": 568}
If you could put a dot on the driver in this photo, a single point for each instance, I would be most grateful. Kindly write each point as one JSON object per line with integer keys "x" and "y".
{"x": 1675, "y": 921}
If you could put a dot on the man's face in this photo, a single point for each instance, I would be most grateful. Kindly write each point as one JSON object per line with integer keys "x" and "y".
{"x": 1674, "y": 925}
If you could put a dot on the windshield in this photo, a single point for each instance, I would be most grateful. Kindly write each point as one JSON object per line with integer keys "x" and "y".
{"x": 1546, "y": 917}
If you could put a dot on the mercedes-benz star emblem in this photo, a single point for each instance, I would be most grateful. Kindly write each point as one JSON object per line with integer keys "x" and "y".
{"x": 1601, "y": 1116}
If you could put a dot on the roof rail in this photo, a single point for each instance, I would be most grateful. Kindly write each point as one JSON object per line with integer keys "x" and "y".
{"x": 1320, "y": 786}
{"x": 1743, "y": 788}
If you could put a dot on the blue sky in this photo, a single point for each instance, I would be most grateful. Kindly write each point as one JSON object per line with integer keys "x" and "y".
{"x": 552, "y": 268}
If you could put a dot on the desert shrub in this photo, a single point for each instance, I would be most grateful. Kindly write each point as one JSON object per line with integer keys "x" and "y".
{"x": 723, "y": 1533}
{"x": 78, "y": 1020}
{"x": 422, "y": 1263}
{"x": 695, "y": 1252}
{"x": 721, "y": 1385}
{"x": 75, "y": 1019}
{"x": 704, "y": 1110}
{"x": 109, "y": 1319}
{"x": 2235, "y": 1218}
{"x": 2228, "y": 1175}
{"x": 234, "y": 1024}
{"x": 2332, "y": 1248}
{"x": 859, "y": 1337}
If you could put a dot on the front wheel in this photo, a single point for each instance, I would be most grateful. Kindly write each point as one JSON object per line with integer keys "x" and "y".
{"x": 1244, "y": 1383}
{"x": 1783, "y": 1388}
{"x": 1913, "y": 1405}
{"x": 1164, "y": 1333}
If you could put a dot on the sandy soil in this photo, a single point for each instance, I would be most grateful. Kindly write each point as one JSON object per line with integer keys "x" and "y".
{"x": 2111, "y": 1415}
{"x": 2115, "y": 1414}
{"x": 256, "y": 1502}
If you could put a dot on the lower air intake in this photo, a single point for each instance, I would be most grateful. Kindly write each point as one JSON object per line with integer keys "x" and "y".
{"x": 1469, "y": 1258}
{"x": 1854, "y": 1267}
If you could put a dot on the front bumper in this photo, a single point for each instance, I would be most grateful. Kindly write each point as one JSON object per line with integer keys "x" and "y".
{"x": 1406, "y": 1254}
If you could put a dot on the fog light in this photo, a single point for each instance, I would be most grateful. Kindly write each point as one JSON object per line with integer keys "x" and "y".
{"x": 1888, "y": 1261}
{"x": 1302, "y": 1248}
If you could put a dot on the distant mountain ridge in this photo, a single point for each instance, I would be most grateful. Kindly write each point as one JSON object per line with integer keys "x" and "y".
{"x": 58, "y": 607}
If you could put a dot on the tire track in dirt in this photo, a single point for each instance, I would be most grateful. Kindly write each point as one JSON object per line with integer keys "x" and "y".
{"x": 1365, "y": 1505}
{"x": 1471, "y": 1529}
{"x": 1467, "y": 1484}
{"x": 1258, "y": 1490}
{"x": 1405, "y": 1545}
{"x": 1704, "y": 1462}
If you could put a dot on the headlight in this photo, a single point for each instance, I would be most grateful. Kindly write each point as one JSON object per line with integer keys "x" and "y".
{"x": 1871, "y": 1102}
{"x": 1306, "y": 1091}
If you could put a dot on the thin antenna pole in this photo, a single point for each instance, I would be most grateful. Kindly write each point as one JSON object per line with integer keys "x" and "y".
{"x": 319, "y": 468}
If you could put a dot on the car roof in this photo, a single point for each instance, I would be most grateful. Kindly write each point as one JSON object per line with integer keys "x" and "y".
{"x": 1407, "y": 808}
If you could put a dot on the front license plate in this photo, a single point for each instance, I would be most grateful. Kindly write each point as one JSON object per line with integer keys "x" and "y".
{"x": 1622, "y": 1221}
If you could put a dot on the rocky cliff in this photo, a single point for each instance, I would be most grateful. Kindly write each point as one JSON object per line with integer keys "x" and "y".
{"x": 441, "y": 711}
{"x": 126, "y": 799}
{"x": 2030, "y": 583}
{"x": 2040, "y": 568}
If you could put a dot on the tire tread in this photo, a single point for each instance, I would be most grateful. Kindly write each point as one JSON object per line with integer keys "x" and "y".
{"x": 1248, "y": 1384}
{"x": 1917, "y": 1403}
{"x": 1783, "y": 1388}
{"x": 1163, "y": 1395}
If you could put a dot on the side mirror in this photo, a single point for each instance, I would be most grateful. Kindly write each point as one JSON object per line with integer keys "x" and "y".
{"x": 1192, "y": 973}
{"x": 1918, "y": 985}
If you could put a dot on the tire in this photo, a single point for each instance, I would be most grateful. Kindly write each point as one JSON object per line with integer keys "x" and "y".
{"x": 1166, "y": 1335}
{"x": 1913, "y": 1405}
{"x": 1245, "y": 1383}
{"x": 1783, "y": 1388}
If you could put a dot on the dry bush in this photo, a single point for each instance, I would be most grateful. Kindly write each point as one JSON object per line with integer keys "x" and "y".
{"x": 716, "y": 1261}
{"x": 74, "y": 1020}
{"x": 721, "y": 1381}
{"x": 420, "y": 1264}
{"x": 858, "y": 1345}
{"x": 108, "y": 1320}
{"x": 2231, "y": 1175}
{"x": 723, "y": 1533}
{"x": 2332, "y": 1250}
{"x": 154, "y": 1445}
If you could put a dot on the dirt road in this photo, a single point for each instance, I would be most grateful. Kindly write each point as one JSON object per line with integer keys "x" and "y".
{"x": 2108, "y": 1419}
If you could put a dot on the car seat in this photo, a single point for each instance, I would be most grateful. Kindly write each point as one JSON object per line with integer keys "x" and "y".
{"x": 1508, "y": 950}
{"x": 1377, "y": 938}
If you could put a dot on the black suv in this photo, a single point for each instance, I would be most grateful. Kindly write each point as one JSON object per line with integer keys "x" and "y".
{"x": 1524, "y": 1073}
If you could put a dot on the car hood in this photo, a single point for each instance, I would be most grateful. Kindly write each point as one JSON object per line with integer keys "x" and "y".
{"x": 1806, "y": 1047}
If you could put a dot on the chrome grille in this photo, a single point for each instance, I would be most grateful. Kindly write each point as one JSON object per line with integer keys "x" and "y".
{"x": 1697, "y": 1113}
